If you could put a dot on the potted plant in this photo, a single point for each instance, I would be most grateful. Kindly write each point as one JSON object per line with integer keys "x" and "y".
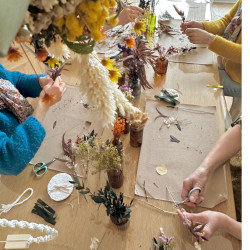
{"x": 137, "y": 124}
{"x": 108, "y": 158}
{"x": 118, "y": 212}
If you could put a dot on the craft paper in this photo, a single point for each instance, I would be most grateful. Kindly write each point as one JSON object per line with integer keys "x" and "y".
{"x": 198, "y": 135}
{"x": 68, "y": 116}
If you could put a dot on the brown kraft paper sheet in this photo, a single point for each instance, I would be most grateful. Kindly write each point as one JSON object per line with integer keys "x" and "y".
{"x": 68, "y": 116}
{"x": 198, "y": 135}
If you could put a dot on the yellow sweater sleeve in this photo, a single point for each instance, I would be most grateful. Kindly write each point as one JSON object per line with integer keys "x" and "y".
{"x": 218, "y": 27}
{"x": 226, "y": 48}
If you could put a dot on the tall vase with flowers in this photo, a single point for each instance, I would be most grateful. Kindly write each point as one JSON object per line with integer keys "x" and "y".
{"x": 136, "y": 58}
{"x": 108, "y": 158}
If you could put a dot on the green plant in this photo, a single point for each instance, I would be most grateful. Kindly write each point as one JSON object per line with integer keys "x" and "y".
{"x": 115, "y": 206}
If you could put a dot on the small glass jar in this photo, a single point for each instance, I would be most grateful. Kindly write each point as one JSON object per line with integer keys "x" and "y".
{"x": 135, "y": 137}
{"x": 115, "y": 178}
{"x": 136, "y": 88}
{"x": 161, "y": 65}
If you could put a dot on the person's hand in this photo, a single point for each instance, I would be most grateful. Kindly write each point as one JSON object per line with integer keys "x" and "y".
{"x": 44, "y": 80}
{"x": 199, "y": 36}
{"x": 53, "y": 90}
{"x": 197, "y": 179}
{"x": 213, "y": 220}
{"x": 129, "y": 14}
{"x": 191, "y": 24}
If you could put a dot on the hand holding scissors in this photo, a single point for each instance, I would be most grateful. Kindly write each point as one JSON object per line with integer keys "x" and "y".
{"x": 40, "y": 168}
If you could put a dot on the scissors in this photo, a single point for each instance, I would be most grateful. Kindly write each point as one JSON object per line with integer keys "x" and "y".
{"x": 40, "y": 168}
{"x": 177, "y": 204}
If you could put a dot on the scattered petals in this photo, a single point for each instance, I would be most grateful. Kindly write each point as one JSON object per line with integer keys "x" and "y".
{"x": 13, "y": 54}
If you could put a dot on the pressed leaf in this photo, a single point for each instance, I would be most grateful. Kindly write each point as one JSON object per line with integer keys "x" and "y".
{"x": 76, "y": 180}
{"x": 85, "y": 191}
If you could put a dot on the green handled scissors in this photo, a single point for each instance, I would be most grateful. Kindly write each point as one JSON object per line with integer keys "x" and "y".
{"x": 41, "y": 167}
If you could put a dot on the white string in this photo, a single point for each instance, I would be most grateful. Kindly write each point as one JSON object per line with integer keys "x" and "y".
{"x": 51, "y": 232}
{"x": 6, "y": 208}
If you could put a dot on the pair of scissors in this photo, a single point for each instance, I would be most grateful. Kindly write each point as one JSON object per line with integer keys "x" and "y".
{"x": 177, "y": 204}
{"x": 40, "y": 168}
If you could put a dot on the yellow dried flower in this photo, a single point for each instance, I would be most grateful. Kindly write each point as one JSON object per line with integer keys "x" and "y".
{"x": 59, "y": 22}
{"x": 112, "y": 20}
{"x": 140, "y": 27}
{"x": 114, "y": 74}
{"x": 107, "y": 62}
{"x": 53, "y": 62}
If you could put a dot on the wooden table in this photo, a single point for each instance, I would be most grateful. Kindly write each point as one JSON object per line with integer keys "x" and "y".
{"x": 77, "y": 223}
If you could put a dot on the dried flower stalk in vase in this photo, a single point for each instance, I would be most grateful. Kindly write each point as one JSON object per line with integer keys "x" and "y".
{"x": 138, "y": 120}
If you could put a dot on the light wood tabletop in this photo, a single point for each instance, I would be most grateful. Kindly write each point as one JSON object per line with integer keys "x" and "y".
{"x": 78, "y": 220}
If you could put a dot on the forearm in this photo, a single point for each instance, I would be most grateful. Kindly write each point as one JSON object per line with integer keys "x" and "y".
{"x": 225, "y": 148}
{"x": 231, "y": 226}
{"x": 41, "y": 111}
{"x": 225, "y": 48}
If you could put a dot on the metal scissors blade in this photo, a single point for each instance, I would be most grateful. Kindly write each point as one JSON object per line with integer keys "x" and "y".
{"x": 177, "y": 204}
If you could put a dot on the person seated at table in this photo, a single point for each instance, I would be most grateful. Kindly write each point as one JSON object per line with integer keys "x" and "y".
{"x": 226, "y": 147}
{"x": 224, "y": 38}
{"x": 21, "y": 130}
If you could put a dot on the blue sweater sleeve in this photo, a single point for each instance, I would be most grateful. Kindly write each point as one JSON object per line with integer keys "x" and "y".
{"x": 28, "y": 85}
{"x": 16, "y": 151}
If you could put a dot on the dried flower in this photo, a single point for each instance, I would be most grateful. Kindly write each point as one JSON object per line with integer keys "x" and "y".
{"x": 140, "y": 27}
{"x": 13, "y": 54}
{"x": 130, "y": 42}
{"x": 94, "y": 243}
{"x": 138, "y": 120}
{"x": 41, "y": 54}
{"x": 48, "y": 98}
{"x": 119, "y": 126}
{"x": 114, "y": 74}
{"x": 107, "y": 62}
{"x": 52, "y": 62}
{"x": 166, "y": 243}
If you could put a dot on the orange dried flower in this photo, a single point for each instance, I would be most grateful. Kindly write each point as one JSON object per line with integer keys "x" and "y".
{"x": 119, "y": 126}
{"x": 48, "y": 98}
{"x": 41, "y": 54}
{"x": 130, "y": 42}
{"x": 13, "y": 54}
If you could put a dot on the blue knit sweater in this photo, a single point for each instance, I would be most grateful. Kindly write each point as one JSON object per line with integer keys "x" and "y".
{"x": 19, "y": 142}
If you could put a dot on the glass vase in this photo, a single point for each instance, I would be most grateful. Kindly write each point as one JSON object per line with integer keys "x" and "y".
{"x": 135, "y": 137}
{"x": 136, "y": 88}
{"x": 161, "y": 65}
{"x": 115, "y": 178}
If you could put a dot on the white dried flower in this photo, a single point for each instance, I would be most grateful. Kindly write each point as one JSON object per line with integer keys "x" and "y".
{"x": 58, "y": 50}
{"x": 94, "y": 243}
{"x": 197, "y": 245}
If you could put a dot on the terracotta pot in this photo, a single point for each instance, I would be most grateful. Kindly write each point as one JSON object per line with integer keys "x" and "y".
{"x": 161, "y": 65}
{"x": 135, "y": 137}
{"x": 115, "y": 178}
{"x": 122, "y": 224}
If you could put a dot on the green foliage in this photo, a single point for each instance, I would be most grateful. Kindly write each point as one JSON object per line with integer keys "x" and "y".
{"x": 114, "y": 204}
{"x": 78, "y": 186}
